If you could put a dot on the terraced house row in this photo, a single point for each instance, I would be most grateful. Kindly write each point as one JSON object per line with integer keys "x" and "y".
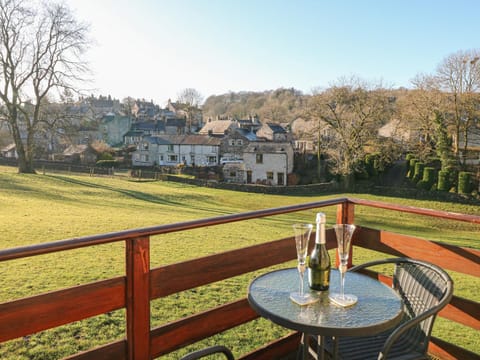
{"x": 264, "y": 156}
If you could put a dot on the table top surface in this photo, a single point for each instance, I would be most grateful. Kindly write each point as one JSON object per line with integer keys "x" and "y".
{"x": 378, "y": 308}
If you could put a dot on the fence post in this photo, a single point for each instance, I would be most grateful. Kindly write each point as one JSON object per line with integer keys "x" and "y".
{"x": 345, "y": 215}
{"x": 138, "y": 298}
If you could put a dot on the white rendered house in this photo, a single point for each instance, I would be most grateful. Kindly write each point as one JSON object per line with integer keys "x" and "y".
{"x": 268, "y": 163}
{"x": 172, "y": 150}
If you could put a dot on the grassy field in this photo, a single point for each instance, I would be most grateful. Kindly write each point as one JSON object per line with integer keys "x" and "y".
{"x": 43, "y": 208}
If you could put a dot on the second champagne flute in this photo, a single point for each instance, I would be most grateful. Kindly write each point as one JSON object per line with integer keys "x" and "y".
{"x": 344, "y": 234}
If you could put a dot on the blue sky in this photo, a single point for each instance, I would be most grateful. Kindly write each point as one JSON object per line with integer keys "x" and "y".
{"x": 153, "y": 49}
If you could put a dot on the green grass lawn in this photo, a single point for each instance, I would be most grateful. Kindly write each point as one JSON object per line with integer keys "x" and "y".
{"x": 43, "y": 208}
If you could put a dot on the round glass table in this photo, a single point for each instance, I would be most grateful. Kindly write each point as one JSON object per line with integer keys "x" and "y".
{"x": 378, "y": 308}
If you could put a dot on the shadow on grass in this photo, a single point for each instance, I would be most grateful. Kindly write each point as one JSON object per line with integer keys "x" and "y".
{"x": 137, "y": 195}
{"x": 8, "y": 184}
{"x": 27, "y": 187}
{"x": 142, "y": 196}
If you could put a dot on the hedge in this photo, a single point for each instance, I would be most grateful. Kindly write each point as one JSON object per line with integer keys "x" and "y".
{"x": 428, "y": 178}
{"x": 444, "y": 180}
{"x": 418, "y": 174}
{"x": 411, "y": 167}
{"x": 464, "y": 183}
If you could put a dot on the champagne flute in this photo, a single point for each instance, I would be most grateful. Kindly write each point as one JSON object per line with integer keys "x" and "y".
{"x": 302, "y": 236}
{"x": 344, "y": 234}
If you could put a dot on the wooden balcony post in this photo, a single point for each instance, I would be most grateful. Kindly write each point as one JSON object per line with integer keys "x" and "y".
{"x": 345, "y": 215}
{"x": 138, "y": 298}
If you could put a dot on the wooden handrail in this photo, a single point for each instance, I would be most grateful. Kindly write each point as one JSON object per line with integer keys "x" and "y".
{"x": 75, "y": 243}
{"x": 475, "y": 219}
{"x": 141, "y": 283}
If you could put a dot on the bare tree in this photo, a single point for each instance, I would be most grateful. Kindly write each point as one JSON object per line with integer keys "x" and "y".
{"x": 127, "y": 105}
{"x": 41, "y": 48}
{"x": 190, "y": 97}
{"x": 459, "y": 76}
{"x": 424, "y": 112}
{"x": 191, "y": 100}
{"x": 353, "y": 111}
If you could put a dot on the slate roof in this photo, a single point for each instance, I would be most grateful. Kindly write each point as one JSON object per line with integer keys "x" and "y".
{"x": 167, "y": 113}
{"x": 175, "y": 122}
{"x": 111, "y": 116}
{"x": 148, "y": 126}
{"x": 247, "y": 134}
{"x": 134, "y": 133}
{"x": 183, "y": 140}
{"x": 276, "y": 128}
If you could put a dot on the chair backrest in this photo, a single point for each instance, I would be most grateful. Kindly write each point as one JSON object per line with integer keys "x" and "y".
{"x": 425, "y": 289}
{"x": 422, "y": 287}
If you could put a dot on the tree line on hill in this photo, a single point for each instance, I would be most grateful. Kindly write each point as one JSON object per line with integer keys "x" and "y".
{"x": 278, "y": 106}
{"x": 438, "y": 118}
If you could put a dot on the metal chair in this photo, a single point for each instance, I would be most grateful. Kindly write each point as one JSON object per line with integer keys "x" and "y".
{"x": 218, "y": 349}
{"x": 425, "y": 289}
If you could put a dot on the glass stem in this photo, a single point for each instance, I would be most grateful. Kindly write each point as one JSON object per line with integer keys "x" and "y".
{"x": 300, "y": 272}
{"x": 342, "y": 284}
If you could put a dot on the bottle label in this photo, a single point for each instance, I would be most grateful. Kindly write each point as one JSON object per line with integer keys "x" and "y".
{"x": 319, "y": 279}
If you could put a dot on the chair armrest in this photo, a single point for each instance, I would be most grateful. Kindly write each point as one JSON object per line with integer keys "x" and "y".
{"x": 401, "y": 329}
{"x": 378, "y": 262}
{"x": 208, "y": 351}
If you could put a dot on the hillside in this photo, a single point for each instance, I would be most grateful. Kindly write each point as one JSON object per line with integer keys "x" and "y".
{"x": 279, "y": 106}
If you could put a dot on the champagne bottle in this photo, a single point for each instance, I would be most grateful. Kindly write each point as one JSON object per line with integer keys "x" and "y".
{"x": 319, "y": 262}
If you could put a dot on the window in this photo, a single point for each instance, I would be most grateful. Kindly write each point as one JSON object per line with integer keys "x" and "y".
{"x": 269, "y": 175}
{"x": 259, "y": 158}
{"x": 172, "y": 158}
{"x": 239, "y": 142}
{"x": 183, "y": 158}
{"x": 170, "y": 147}
{"x": 233, "y": 174}
{"x": 231, "y": 142}
{"x": 212, "y": 159}
{"x": 144, "y": 158}
{"x": 145, "y": 146}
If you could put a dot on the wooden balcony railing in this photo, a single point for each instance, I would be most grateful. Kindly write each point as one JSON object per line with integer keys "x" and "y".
{"x": 142, "y": 284}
